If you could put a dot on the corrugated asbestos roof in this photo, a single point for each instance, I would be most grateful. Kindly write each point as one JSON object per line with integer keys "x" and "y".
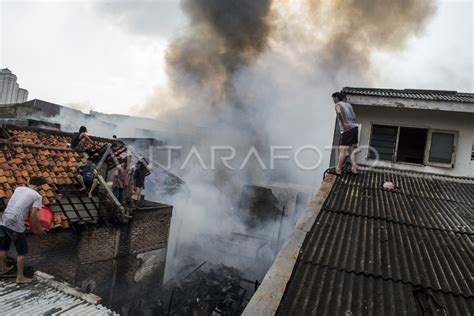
{"x": 429, "y": 95}
{"x": 41, "y": 299}
{"x": 377, "y": 252}
{"x": 323, "y": 291}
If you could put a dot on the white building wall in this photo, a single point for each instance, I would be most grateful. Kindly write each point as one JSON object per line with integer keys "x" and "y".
{"x": 10, "y": 91}
{"x": 7, "y": 83}
{"x": 443, "y": 120}
{"x": 22, "y": 95}
{"x": 14, "y": 96}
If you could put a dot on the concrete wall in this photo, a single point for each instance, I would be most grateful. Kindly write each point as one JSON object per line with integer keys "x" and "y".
{"x": 122, "y": 264}
{"x": 10, "y": 91}
{"x": 451, "y": 121}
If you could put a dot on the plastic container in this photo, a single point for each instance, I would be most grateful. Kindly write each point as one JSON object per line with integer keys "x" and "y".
{"x": 45, "y": 216}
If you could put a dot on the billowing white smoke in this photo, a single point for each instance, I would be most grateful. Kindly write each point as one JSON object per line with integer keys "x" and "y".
{"x": 261, "y": 74}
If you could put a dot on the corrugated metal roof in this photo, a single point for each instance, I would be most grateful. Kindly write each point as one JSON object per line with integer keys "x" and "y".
{"x": 41, "y": 299}
{"x": 323, "y": 291}
{"x": 438, "y": 260}
{"x": 401, "y": 207}
{"x": 369, "y": 246}
{"x": 429, "y": 95}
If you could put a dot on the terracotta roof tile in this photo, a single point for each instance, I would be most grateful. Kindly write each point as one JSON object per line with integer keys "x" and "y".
{"x": 19, "y": 163}
{"x": 47, "y": 154}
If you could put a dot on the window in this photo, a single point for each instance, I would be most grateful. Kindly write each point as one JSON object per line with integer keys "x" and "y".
{"x": 384, "y": 141}
{"x": 411, "y": 145}
{"x": 442, "y": 147}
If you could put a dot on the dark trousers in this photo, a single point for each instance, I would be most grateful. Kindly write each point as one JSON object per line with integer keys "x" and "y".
{"x": 119, "y": 194}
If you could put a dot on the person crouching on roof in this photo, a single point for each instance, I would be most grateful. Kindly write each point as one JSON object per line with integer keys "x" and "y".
{"x": 12, "y": 225}
{"x": 80, "y": 139}
{"x": 139, "y": 175}
{"x": 86, "y": 176}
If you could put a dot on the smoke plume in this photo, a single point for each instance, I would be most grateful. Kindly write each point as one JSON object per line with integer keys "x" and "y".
{"x": 356, "y": 28}
{"x": 222, "y": 37}
{"x": 260, "y": 73}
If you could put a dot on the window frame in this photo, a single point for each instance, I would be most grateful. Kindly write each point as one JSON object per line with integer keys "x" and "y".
{"x": 428, "y": 148}
{"x": 395, "y": 156}
{"x": 371, "y": 135}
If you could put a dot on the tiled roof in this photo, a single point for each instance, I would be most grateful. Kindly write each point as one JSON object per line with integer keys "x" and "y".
{"x": 18, "y": 163}
{"x": 429, "y": 95}
{"x": 40, "y": 298}
{"x": 48, "y": 138}
{"x": 390, "y": 253}
{"x": 27, "y": 152}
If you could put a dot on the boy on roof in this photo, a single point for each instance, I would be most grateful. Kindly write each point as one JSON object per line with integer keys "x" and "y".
{"x": 86, "y": 176}
{"x": 12, "y": 225}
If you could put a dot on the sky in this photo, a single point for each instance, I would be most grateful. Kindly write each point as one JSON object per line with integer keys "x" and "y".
{"x": 79, "y": 53}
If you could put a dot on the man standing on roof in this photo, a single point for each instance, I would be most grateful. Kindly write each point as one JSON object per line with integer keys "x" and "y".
{"x": 139, "y": 175}
{"x": 12, "y": 225}
{"x": 120, "y": 181}
{"x": 86, "y": 176}
{"x": 349, "y": 132}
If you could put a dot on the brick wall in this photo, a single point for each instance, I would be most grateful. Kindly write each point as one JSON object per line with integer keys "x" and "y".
{"x": 105, "y": 260}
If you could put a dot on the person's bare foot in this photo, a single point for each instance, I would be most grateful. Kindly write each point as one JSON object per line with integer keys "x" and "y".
{"x": 23, "y": 280}
{"x": 6, "y": 270}
{"x": 354, "y": 170}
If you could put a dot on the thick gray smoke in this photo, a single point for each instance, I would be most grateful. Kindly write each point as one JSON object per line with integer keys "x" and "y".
{"x": 222, "y": 37}
{"x": 358, "y": 27}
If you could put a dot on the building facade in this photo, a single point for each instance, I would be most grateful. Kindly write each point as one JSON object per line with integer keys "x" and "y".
{"x": 96, "y": 244}
{"x": 419, "y": 130}
{"x": 10, "y": 91}
{"x": 123, "y": 264}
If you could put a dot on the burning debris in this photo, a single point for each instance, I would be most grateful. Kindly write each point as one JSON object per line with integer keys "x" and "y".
{"x": 215, "y": 290}
{"x": 259, "y": 204}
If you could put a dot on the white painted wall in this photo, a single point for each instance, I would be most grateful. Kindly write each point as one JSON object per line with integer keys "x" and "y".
{"x": 10, "y": 91}
{"x": 444, "y": 120}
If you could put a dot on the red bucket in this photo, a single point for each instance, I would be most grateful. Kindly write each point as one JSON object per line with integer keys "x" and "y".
{"x": 45, "y": 216}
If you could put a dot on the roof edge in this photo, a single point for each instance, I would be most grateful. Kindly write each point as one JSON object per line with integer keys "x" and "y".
{"x": 409, "y": 90}
{"x": 67, "y": 288}
{"x": 413, "y": 98}
{"x": 268, "y": 296}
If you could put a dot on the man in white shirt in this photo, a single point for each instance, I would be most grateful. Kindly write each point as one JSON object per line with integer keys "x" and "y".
{"x": 12, "y": 225}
